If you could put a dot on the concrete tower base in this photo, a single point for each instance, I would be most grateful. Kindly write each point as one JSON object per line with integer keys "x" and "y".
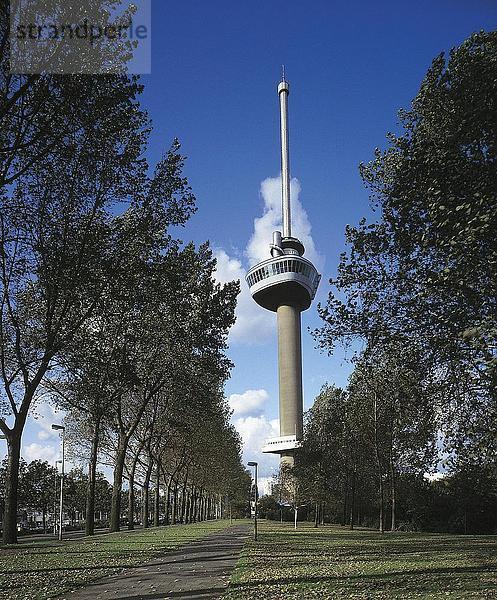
{"x": 290, "y": 374}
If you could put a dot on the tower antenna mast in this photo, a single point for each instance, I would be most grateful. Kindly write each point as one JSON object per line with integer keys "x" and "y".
{"x": 283, "y": 91}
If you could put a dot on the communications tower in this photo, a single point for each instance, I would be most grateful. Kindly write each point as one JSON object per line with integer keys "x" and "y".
{"x": 286, "y": 284}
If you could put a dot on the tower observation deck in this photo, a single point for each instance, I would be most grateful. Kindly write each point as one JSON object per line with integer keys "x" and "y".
{"x": 286, "y": 283}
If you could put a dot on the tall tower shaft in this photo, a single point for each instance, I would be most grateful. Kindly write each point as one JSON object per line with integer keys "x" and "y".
{"x": 283, "y": 91}
{"x": 286, "y": 284}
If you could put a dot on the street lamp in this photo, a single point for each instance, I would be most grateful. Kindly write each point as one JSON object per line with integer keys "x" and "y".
{"x": 56, "y": 475}
{"x": 254, "y": 464}
{"x": 62, "y": 429}
{"x": 2, "y": 437}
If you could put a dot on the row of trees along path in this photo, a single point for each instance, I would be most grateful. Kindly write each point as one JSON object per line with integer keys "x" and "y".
{"x": 103, "y": 311}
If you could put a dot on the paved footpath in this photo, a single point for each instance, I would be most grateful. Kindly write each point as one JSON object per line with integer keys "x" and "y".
{"x": 199, "y": 570}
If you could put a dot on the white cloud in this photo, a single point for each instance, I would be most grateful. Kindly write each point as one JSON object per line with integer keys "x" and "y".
{"x": 36, "y": 451}
{"x": 254, "y": 432}
{"x": 265, "y": 485}
{"x": 253, "y": 323}
{"x": 435, "y": 476}
{"x": 43, "y": 415}
{"x": 258, "y": 246}
{"x": 251, "y": 402}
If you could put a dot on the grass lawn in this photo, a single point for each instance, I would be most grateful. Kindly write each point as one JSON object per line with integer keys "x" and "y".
{"x": 46, "y": 569}
{"x": 334, "y": 562}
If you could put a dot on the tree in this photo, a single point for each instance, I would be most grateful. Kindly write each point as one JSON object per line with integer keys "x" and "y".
{"x": 38, "y": 491}
{"x": 321, "y": 462}
{"x": 101, "y": 366}
{"x": 361, "y": 443}
{"x": 42, "y": 113}
{"x": 425, "y": 272}
{"x": 75, "y": 486}
{"x": 391, "y": 393}
{"x": 178, "y": 343}
{"x": 56, "y": 261}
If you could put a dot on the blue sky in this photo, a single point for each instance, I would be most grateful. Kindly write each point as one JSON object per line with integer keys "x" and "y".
{"x": 351, "y": 66}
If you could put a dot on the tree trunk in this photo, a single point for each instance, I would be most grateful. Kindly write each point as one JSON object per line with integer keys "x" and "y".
{"x": 393, "y": 490}
{"x": 380, "y": 490}
{"x": 157, "y": 495}
{"x": 378, "y": 461}
{"x": 168, "y": 500}
{"x": 352, "y": 501}
{"x": 11, "y": 487}
{"x": 44, "y": 517}
{"x": 183, "y": 502}
{"x": 195, "y": 506}
{"x": 198, "y": 506}
{"x": 90, "y": 490}
{"x": 193, "y": 513}
{"x": 131, "y": 503}
{"x": 190, "y": 505}
{"x": 146, "y": 489}
{"x": 187, "y": 507}
{"x": 131, "y": 493}
{"x": 115, "y": 511}
{"x": 345, "y": 494}
{"x": 175, "y": 502}
{"x": 316, "y": 515}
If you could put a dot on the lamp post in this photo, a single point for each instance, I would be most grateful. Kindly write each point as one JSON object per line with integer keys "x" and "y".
{"x": 2, "y": 437}
{"x": 62, "y": 429}
{"x": 254, "y": 464}
{"x": 56, "y": 474}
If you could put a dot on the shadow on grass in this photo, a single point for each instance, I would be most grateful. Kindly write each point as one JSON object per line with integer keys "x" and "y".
{"x": 190, "y": 594}
{"x": 68, "y": 569}
{"x": 167, "y": 550}
{"x": 415, "y": 579}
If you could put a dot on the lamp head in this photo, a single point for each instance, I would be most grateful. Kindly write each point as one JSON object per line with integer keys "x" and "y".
{"x": 252, "y": 464}
{"x": 58, "y": 427}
